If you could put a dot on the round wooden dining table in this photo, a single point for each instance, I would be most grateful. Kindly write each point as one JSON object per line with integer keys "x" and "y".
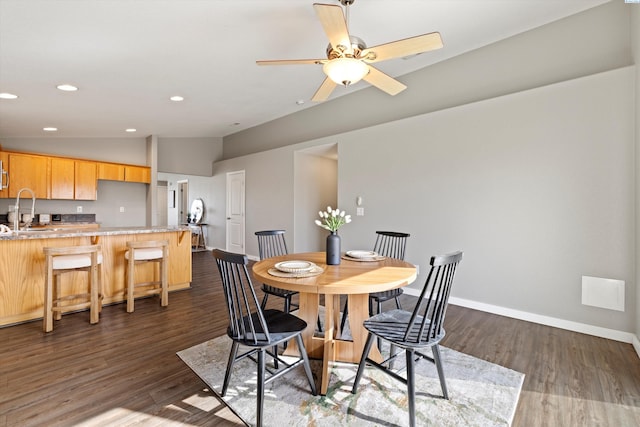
{"x": 351, "y": 277}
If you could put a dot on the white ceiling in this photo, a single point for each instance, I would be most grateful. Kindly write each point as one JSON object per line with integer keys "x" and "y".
{"x": 129, "y": 56}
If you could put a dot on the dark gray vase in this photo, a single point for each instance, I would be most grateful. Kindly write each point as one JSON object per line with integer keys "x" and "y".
{"x": 333, "y": 249}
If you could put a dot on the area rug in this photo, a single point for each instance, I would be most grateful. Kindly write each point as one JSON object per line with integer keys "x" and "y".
{"x": 480, "y": 393}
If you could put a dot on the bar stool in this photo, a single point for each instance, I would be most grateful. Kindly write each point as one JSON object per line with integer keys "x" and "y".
{"x": 143, "y": 252}
{"x": 66, "y": 260}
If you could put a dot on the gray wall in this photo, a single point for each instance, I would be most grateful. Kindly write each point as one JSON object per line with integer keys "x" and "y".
{"x": 583, "y": 44}
{"x": 534, "y": 139}
{"x": 315, "y": 188}
{"x": 193, "y": 156}
{"x": 269, "y": 193}
{"x": 536, "y": 187}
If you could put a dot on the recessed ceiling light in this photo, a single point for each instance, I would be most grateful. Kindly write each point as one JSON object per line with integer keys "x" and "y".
{"x": 50, "y": 129}
{"x": 130, "y": 130}
{"x": 6, "y": 95}
{"x": 67, "y": 88}
{"x": 300, "y": 101}
{"x": 177, "y": 98}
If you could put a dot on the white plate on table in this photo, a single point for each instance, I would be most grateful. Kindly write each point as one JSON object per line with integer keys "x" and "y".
{"x": 362, "y": 254}
{"x": 295, "y": 266}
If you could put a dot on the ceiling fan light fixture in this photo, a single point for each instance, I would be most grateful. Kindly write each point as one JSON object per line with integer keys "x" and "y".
{"x": 345, "y": 71}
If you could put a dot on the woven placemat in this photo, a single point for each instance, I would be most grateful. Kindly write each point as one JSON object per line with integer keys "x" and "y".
{"x": 315, "y": 271}
{"x": 372, "y": 259}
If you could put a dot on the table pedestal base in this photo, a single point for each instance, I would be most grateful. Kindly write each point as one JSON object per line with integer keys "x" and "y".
{"x": 330, "y": 348}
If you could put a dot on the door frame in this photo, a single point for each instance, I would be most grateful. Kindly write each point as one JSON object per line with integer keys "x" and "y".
{"x": 183, "y": 205}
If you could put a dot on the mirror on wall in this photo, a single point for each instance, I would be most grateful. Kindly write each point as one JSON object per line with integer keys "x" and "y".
{"x": 196, "y": 213}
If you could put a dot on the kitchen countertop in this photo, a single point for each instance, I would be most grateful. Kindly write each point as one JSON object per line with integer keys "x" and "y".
{"x": 53, "y": 233}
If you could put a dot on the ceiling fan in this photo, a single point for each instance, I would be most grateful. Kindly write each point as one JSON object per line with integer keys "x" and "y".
{"x": 348, "y": 57}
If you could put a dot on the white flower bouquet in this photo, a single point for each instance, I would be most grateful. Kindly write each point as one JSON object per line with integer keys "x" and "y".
{"x": 332, "y": 219}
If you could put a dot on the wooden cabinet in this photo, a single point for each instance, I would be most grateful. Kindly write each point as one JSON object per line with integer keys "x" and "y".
{"x": 128, "y": 173}
{"x": 111, "y": 171}
{"x": 86, "y": 180}
{"x": 137, "y": 174}
{"x": 73, "y": 179}
{"x": 4, "y": 169}
{"x": 31, "y": 171}
{"x": 62, "y": 178}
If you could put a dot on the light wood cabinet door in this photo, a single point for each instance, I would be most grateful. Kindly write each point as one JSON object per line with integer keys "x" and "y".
{"x": 137, "y": 174}
{"x": 29, "y": 171}
{"x": 111, "y": 171}
{"x": 62, "y": 178}
{"x": 4, "y": 166}
{"x": 86, "y": 180}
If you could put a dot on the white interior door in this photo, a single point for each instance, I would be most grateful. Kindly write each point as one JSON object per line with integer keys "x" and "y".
{"x": 235, "y": 212}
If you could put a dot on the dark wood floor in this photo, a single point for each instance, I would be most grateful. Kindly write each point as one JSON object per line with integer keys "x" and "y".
{"x": 124, "y": 370}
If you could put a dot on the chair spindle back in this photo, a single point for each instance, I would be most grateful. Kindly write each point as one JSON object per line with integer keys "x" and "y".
{"x": 391, "y": 244}
{"x": 246, "y": 320}
{"x": 438, "y": 285}
{"x": 271, "y": 243}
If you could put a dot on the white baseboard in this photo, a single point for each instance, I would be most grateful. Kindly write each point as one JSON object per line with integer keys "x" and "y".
{"x": 597, "y": 331}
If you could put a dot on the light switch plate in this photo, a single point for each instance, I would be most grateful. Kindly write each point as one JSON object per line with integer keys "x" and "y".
{"x": 359, "y": 211}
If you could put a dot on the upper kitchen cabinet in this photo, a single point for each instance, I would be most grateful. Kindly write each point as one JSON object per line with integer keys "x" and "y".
{"x": 137, "y": 174}
{"x": 127, "y": 173}
{"x": 73, "y": 179}
{"x": 111, "y": 171}
{"x": 62, "y": 178}
{"x": 86, "y": 180}
{"x": 28, "y": 171}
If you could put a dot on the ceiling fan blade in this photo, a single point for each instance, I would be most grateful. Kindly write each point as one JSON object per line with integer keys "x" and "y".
{"x": 332, "y": 19}
{"x": 383, "y": 82}
{"x": 404, "y": 47}
{"x": 291, "y": 61}
{"x": 324, "y": 90}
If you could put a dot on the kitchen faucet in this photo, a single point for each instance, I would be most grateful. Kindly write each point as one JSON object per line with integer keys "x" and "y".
{"x": 16, "y": 220}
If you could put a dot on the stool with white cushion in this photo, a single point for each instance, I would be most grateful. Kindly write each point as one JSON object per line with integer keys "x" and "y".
{"x": 67, "y": 260}
{"x": 139, "y": 252}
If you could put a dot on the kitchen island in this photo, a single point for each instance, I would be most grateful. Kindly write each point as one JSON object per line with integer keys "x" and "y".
{"x": 22, "y": 264}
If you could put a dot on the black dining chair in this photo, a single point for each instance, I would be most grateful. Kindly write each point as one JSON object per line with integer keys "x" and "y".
{"x": 414, "y": 331}
{"x": 391, "y": 244}
{"x": 272, "y": 243}
{"x": 258, "y": 329}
